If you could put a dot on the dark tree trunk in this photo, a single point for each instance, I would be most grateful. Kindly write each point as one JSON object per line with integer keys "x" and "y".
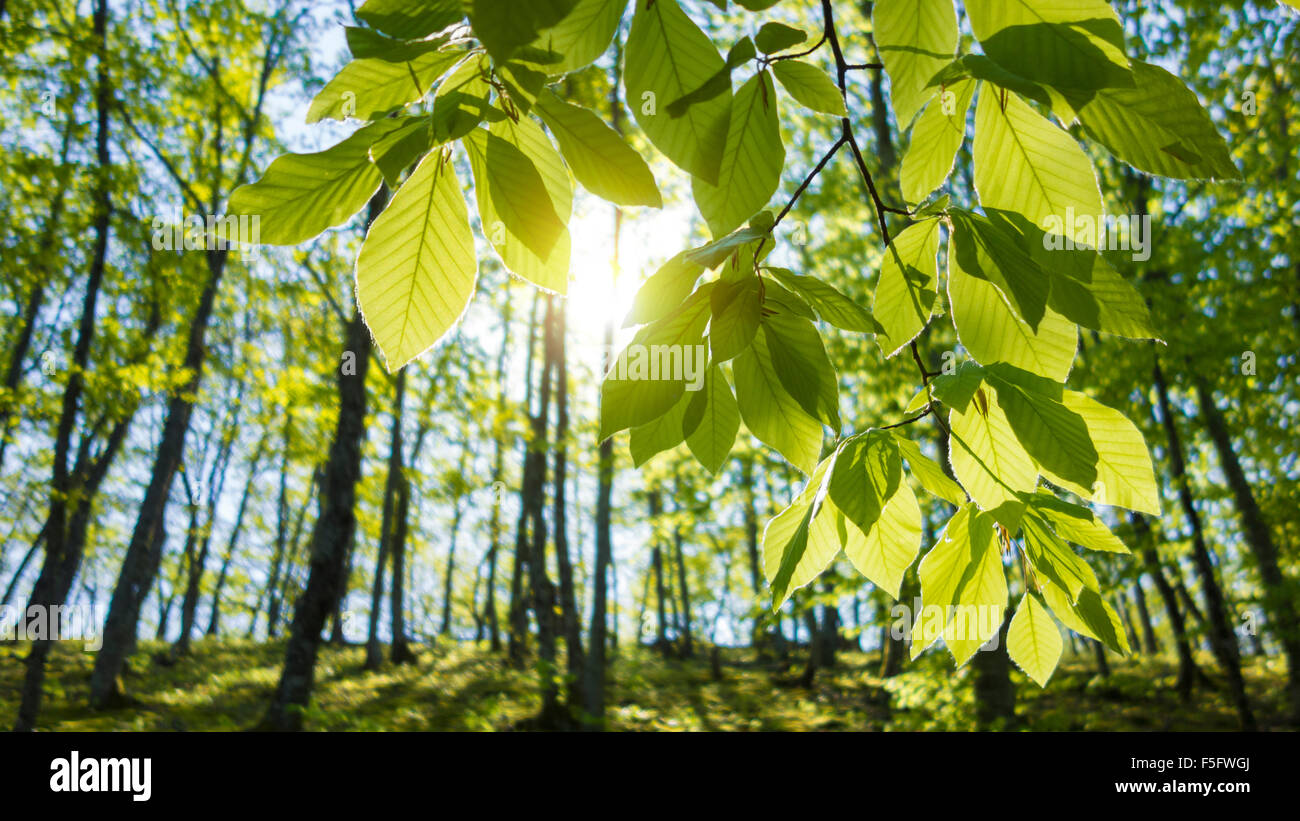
{"x": 995, "y": 695}
{"x": 1099, "y": 654}
{"x": 1279, "y": 592}
{"x": 400, "y": 652}
{"x": 333, "y": 531}
{"x": 657, "y": 561}
{"x": 1187, "y": 670}
{"x": 70, "y": 511}
{"x": 544, "y": 594}
{"x": 281, "y": 532}
{"x": 374, "y": 654}
{"x": 498, "y": 488}
{"x": 140, "y": 564}
{"x": 1149, "y": 643}
{"x": 36, "y": 296}
{"x": 1126, "y": 617}
{"x": 1222, "y": 640}
{"x": 530, "y": 489}
{"x": 445, "y": 628}
{"x": 574, "y": 658}
{"x": 214, "y": 621}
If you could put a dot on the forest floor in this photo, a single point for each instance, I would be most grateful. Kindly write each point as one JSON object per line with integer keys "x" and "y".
{"x": 225, "y": 685}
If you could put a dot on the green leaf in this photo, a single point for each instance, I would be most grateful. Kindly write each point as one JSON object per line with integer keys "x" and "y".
{"x": 867, "y": 472}
{"x": 929, "y": 473}
{"x": 508, "y": 161}
{"x": 1104, "y": 302}
{"x": 736, "y": 307}
{"x": 992, "y": 332}
{"x": 1158, "y": 126}
{"x": 1054, "y": 559}
{"x": 664, "y": 290}
{"x": 1055, "y": 437}
{"x": 504, "y": 26}
{"x": 831, "y": 305}
{"x": 963, "y": 587}
{"x": 810, "y": 86}
{"x": 989, "y": 250}
{"x": 751, "y": 164}
{"x": 366, "y": 43}
{"x": 979, "y": 67}
{"x": 1025, "y": 164}
{"x": 774, "y": 37}
{"x": 801, "y": 363}
{"x": 455, "y": 114}
{"x": 649, "y": 376}
{"x": 668, "y": 57}
{"x": 602, "y": 162}
{"x": 410, "y": 19}
{"x": 366, "y": 89}
{"x": 729, "y": 247}
{"x": 393, "y": 153}
{"x": 1034, "y": 641}
{"x": 416, "y": 269}
{"x": 958, "y": 388}
{"x": 658, "y": 435}
{"x": 905, "y": 292}
{"x": 712, "y": 419}
{"x": 1090, "y": 616}
{"x": 1124, "y": 473}
{"x": 583, "y": 35}
{"x": 780, "y": 301}
{"x": 1075, "y": 523}
{"x": 936, "y": 137}
{"x": 801, "y": 540}
{"x": 1070, "y": 45}
{"x": 884, "y": 554}
{"x": 301, "y": 195}
{"x": 988, "y": 459}
{"x": 915, "y": 38}
{"x": 740, "y": 53}
{"x": 517, "y": 192}
{"x": 770, "y": 412}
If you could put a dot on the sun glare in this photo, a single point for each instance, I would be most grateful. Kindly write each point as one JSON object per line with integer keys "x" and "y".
{"x": 596, "y": 295}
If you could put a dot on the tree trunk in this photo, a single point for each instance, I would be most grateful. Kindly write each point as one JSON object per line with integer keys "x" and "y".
{"x": 574, "y": 658}
{"x": 995, "y": 695}
{"x": 1222, "y": 640}
{"x": 281, "y": 532}
{"x": 334, "y": 529}
{"x": 400, "y": 652}
{"x": 36, "y": 296}
{"x": 140, "y": 564}
{"x": 498, "y": 487}
{"x": 1279, "y": 592}
{"x": 544, "y": 595}
{"x": 1099, "y": 654}
{"x": 69, "y": 510}
{"x": 530, "y": 487}
{"x": 214, "y": 621}
{"x": 445, "y": 628}
{"x": 657, "y": 560}
{"x": 1126, "y": 617}
{"x": 374, "y": 654}
{"x": 1149, "y": 644}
